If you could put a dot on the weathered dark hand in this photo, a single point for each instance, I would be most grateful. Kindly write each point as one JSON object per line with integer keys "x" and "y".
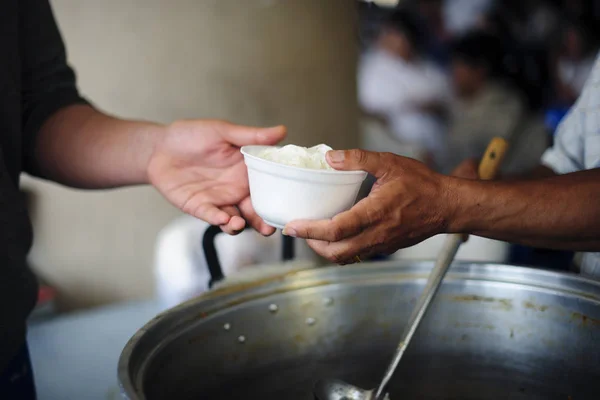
{"x": 408, "y": 204}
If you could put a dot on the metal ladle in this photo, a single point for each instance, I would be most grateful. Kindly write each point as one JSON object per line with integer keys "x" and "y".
{"x": 339, "y": 390}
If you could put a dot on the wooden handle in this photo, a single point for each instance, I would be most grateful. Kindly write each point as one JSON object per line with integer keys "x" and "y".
{"x": 492, "y": 159}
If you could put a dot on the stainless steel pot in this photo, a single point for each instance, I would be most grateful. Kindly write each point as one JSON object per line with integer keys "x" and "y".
{"x": 494, "y": 332}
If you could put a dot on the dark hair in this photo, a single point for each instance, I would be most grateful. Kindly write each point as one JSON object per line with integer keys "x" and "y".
{"x": 481, "y": 49}
{"x": 585, "y": 29}
{"x": 405, "y": 22}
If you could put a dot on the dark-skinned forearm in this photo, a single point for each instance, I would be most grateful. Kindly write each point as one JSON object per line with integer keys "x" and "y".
{"x": 560, "y": 212}
{"x": 539, "y": 172}
{"x": 84, "y": 148}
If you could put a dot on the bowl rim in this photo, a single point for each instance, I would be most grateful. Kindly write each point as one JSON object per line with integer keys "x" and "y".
{"x": 245, "y": 153}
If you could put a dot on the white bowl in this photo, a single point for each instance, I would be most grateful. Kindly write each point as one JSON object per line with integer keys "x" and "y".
{"x": 282, "y": 193}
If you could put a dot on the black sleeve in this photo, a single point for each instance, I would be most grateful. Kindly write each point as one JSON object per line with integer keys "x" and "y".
{"x": 48, "y": 83}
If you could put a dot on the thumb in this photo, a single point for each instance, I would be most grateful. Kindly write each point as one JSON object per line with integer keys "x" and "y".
{"x": 357, "y": 160}
{"x": 240, "y": 135}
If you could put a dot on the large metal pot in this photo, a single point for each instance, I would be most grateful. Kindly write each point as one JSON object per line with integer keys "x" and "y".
{"x": 494, "y": 332}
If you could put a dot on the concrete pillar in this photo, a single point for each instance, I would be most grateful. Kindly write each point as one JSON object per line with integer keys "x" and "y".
{"x": 255, "y": 61}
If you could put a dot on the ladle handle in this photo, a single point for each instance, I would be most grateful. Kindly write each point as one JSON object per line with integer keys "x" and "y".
{"x": 488, "y": 169}
{"x": 492, "y": 159}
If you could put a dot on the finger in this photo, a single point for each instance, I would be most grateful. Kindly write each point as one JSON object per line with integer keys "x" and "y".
{"x": 356, "y": 259}
{"x": 220, "y": 194}
{"x": 360, "y": 160}
{"x": 342, "y": 226}
{"x": 212, "y": 207}
{"x": 236, "y": 223}
{"x": 318, "y": 246}
{"x": 339, "y": 252}
{"x": 211, "y": 214}
{"x": 353, "y": 260}
{"x": 253, "y": 219}
{"x": 240, "y": 135}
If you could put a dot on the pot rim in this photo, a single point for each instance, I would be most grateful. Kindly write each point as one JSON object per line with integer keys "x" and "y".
{"x": 167, "y": 324}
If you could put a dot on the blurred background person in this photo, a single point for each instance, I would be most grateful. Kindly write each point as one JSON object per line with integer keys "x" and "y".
{"x": 526, "y": 29}
{"x": 398, "y": 84}
{"x": 488, "y": 105}
{"x": 431, "y": 14}
{"x": 461, "y": 15}
{"x": 574, "y": 61}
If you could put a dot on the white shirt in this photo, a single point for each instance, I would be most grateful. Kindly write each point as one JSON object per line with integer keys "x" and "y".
{"x": 461, "y": 15}
{"x": 577, "y": 146}
{"x": 395, "y": 89}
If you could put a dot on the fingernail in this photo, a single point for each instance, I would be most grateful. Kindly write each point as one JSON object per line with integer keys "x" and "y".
{"x": 289, "y": 232}
{"x": 336, "y": 156}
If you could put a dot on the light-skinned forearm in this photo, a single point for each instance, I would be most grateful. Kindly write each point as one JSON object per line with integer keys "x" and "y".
{"x": 560, "y": 212}
{"x": 84, "y": 148}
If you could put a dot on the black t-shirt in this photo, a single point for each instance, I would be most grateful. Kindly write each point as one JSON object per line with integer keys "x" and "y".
{"x": 35, "y": 81}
